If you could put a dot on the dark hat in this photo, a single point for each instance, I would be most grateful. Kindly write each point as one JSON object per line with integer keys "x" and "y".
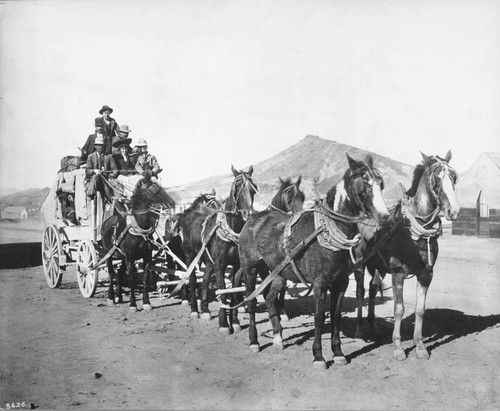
{"x": 124, "y": 142}
{"x": 99, "y": 121}
{"x": 105, "y": 108}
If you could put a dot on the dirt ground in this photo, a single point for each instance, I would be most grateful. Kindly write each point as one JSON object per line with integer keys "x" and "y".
{"x": 59, "y": 350}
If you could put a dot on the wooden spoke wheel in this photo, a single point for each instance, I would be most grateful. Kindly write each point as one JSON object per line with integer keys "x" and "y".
{"x": 52, "y": 256}
{"x": 87, "y": 277}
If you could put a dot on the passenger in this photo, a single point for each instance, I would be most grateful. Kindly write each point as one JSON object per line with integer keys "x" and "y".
{"x": 146, "y": 164}
{"x": 110, "y": 128}
{"x": 123, "y": 161}
{"x": 122, "y": 134}
{"x": 98, "y": 163}
{"x": 89, "y": 146}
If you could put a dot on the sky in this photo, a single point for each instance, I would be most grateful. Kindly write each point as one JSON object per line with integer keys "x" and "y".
{"x": 210, "y": 84}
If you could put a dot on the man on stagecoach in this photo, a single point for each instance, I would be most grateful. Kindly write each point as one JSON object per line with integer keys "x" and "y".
{"x": 146, "y": 164}
{"x": 98, "y": 163}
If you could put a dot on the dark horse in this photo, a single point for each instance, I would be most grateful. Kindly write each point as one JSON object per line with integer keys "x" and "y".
{"x": 322, "y": 237}
{"x": 173, "y": 232}
{"x": 414, "y": 248}
{"x": 219, "y": 230}
{"x": 129, "y": 233}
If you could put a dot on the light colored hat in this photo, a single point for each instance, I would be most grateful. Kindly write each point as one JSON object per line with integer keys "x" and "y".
{"x": 141, "y": 143}
{"x": 99, "y": 141}
{"x": 124, "y": 129}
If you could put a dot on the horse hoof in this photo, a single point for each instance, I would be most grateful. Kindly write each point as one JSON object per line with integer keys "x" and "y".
{"x": 422, "y": 354}
{"x": 242, "y": 309}
{"x": 110, "y": 303}
{"x": 184, "y": 302}
{"x": 194, "y": 314}
{"x": 206, "y": 316}
{"x": 319, "y": 365}
{"x": 224, "y": 331}
{"x": 339, "y": 360}
{"x": 236, "y": 328}
{"x": 132, "y": 309}
{"x": 147, "y": 307}
{"x": 399, "y": 355}
{"x": 255, "y": 348}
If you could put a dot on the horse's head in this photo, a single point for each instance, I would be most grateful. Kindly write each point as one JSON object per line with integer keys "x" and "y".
{"x": 363, "y": 185}
{"x": 149, "y": 194}
{"x": 205, "y": 200}
{"x": 438, "y": 180}
{"x": 290, "y": 197}
{"x": 242, "y": 193}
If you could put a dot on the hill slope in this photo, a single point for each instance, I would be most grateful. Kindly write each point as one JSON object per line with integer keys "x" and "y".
{"x": 320, "y": 162}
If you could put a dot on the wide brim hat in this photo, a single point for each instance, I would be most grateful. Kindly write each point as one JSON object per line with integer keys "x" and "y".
{"x": 141, "y": 143}
{"x": 124, "y": 142}
{"x": 99, "y": 122}
{"x": 105, "y": 108}
{"x": 99, "y": 141}
{"x": 124, "y": 129}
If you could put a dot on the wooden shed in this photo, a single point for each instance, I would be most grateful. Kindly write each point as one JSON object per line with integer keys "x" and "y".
{"x": 478, "y": 193}
{"x": 14, "y": 213}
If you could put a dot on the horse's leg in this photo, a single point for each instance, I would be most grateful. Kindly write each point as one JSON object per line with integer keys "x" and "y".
{"x": 359, "y": 275}
{"x": 372, "y": 293}
{"x": 319, "y": 321}
{"x": 119, "y": 282}
{"x": 146, "y": 304}
{"x": 251, "y": 277}
{"x": 192, "y": 286}
{"x": 131, "y": 280}
{"x": 399, "y": 310}
{"x": 274, "y": 307}
{"x": 337, "y": 296}
{"x": 220, "y": 269}
{"x": 423, "y": 283}
{"x": 236, "y": 298}
{"x": 205, "y": 284}
{"x": 111, "y": 289}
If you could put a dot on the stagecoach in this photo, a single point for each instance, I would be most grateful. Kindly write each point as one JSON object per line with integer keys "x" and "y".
{"x": 72, "y": 235}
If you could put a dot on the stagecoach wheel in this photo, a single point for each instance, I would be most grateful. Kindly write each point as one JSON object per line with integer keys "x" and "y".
{"x": 87, "y": 277}
{"x": 52, "y": 256}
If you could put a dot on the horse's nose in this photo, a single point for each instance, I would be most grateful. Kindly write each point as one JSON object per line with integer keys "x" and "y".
{"x": 451, "y": 214}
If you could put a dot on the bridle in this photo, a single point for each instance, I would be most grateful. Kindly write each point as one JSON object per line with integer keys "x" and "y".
{"x": 247, "y": 184}
{"x": 368, "y": 188}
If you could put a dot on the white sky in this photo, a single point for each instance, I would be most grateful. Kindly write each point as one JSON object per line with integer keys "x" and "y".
{"x": 215, "y": 83}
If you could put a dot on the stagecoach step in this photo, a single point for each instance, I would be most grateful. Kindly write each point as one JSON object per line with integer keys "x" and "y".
{"x": 231, "y": 290}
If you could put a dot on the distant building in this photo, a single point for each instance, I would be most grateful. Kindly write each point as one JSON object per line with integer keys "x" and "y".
{"x": 478, "y": 194}
{"x": 14, "y": 213}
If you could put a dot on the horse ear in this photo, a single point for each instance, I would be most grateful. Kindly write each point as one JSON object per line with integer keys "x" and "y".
{"x": 426, "y": 158}
{"x": 299, "y": 180}
{"x": 250, "y": 171}
{"x": 213, "y": 191}
{"x": 353, "y": 164}
{"x": 369, "y": 160}
{"x": 235, "y": 172}
{"x": 448, "y": 156}
{"x": 281, "y": 180}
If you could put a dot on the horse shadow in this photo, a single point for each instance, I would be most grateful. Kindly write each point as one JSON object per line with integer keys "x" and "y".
{"x": 441, "y": 326}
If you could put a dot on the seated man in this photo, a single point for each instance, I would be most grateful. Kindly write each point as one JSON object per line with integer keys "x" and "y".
{"x": 97, "y": 163}
{"x": 122, "y": 134}
{"x": 122, "y": 160}
{"x": 146, "y": 164}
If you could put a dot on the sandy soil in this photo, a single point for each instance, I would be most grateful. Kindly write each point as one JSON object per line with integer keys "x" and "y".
{"x": 61, "y": 351}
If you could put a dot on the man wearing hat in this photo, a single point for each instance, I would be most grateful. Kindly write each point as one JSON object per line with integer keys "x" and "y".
{"x": 122, "y": 134}
{"x": 110, "y": 127}
{"x": 97, "y": 163}
{"x": 122, "y": 161}
{"x": 146, "y": 164}
{"x": 88, "y": 147}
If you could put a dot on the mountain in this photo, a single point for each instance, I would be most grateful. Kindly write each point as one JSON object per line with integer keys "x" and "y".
{"x": 320, "y": 162}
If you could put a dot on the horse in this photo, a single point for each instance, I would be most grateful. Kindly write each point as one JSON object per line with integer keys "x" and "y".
{"x": 289, "y": 199}
{"x": 173, "y": 232}
{"x": 218, "y": 230}
{"x": 414, "y": 249}
{"x": 312, "y": 246}
{"x": 126, "y": 237}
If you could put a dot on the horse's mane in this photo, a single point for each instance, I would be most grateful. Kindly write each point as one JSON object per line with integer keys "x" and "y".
{"x": 197, "y": 201}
